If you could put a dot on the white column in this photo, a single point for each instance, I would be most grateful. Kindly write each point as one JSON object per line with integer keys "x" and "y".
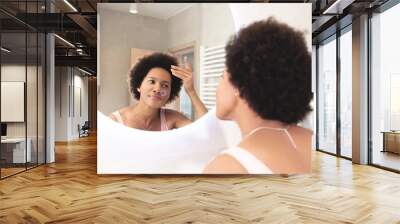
{"x": 50, "y": 99}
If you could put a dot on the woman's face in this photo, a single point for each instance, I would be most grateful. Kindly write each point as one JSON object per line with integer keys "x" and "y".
{"x": 226, "y": 97}
{"x": 156, "y": 88}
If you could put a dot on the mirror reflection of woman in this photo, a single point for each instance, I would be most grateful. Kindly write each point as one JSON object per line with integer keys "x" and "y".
{"x": 266, "y": 90}
{"x": 155, "y": 81}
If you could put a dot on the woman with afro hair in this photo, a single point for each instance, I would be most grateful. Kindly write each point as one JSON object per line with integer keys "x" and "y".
{"x": 266, "y": 90}
{"x": 155, "y": 81}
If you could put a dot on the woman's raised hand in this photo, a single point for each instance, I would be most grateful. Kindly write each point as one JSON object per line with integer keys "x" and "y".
{"x": 185, "y": 73}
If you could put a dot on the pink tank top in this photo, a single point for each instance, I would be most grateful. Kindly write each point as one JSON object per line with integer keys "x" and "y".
{"x": 164, "y": 126}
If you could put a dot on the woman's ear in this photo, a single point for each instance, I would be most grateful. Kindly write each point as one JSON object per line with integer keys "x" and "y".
{"x": 236, "y": 92}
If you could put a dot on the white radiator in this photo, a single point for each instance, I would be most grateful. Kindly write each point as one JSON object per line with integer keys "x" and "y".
{"x": 212, "y": 64}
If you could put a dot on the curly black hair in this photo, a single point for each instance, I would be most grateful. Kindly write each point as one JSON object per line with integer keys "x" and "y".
{"x": 144, "y": 65}
{"x": 270, "y": 65}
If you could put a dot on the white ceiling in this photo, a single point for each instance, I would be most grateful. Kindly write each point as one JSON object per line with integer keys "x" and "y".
{"x": 155, "y": 10}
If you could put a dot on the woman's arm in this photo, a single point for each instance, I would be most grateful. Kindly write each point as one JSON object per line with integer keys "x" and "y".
{"x": 199, "y": 107}
{"x": 187, "y": 78}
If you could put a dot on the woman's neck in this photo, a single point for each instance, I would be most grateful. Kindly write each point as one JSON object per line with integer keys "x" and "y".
{"x": 248, "y": 120}
{"x": 145, "y": 113}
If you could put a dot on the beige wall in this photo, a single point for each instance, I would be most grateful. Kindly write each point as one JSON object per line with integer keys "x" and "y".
{"x": 119, "y": 32}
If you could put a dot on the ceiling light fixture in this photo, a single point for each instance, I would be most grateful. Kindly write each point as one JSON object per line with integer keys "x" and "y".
{"x": 64, "y": 40}
{"x": 5, "y": 50}
{"x": 337, "y": 7}
{"x": 86, "y": 72}
{"x": 70, "y": 5}
{"x": 133, "y": 8}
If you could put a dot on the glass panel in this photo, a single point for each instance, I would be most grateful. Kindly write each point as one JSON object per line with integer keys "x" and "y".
{"x": 314, "y": 90}
{"x": 22, "y": 88}
{"x": 385, "y": 87}
{"x": 41, "y": 98}
{"x": 31, "y": 100}
{"x": 13, "y": 87}
{"x": 327, "y": 96}
{"x": 346, "y": 94}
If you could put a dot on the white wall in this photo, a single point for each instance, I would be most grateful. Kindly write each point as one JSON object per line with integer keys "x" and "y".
{"x": 16, "y": 72}
{"x": 66, "y": 121}
{"x": 296, "y": 15}
{"x": 83, "y": 82}
{"x": 184, "y": 27}
{"x": 119, "y": 33}
{"x": 208, "y": 24}
{"x": 80, "y": 114}
{"x": 61, "y": 103}
{"x": 217, "y": 24}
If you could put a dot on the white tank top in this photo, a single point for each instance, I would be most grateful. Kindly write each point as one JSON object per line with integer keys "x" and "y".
{"x": 250, "y": 162}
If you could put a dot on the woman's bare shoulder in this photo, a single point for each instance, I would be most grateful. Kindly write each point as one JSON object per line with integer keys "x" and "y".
{"x": 300, "y": 130}
{"x": 224, "y": 164}
{"x": 122, "y": 111}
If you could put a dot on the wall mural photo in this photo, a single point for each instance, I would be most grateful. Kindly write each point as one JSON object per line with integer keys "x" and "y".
{"x": 204, "y": 88}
